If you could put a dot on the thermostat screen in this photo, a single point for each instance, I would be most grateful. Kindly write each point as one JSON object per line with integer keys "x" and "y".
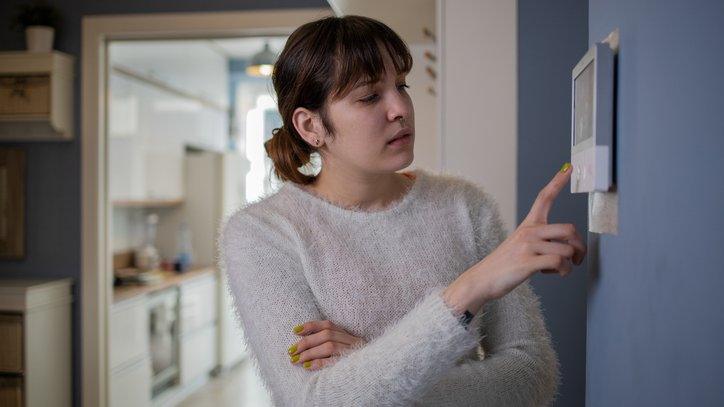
{"x": 583, "y": 104}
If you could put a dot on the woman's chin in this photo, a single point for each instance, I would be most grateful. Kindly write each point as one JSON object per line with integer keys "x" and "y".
{"x": 404, "y": 160}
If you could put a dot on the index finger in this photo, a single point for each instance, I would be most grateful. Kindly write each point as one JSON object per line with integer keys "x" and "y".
{"x": 313, "y": 326}
{"x": 543, "y": 202}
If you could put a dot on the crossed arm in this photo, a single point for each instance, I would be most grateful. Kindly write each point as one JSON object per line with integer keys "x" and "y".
{"x": 271, "y": 296}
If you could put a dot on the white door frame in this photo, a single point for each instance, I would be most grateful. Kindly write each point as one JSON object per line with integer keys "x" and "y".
{"x": 96, "y": 281}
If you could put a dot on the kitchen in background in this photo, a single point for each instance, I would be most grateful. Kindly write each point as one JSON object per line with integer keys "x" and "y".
{"x": 187, "y": 120}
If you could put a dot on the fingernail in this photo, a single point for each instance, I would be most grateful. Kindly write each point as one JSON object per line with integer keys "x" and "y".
{"x": 307, "y": 364}
{"x": 298, "y": 329}
{"x": 292, "y": 349}
{"x": 565, "y": 167}
{"x": 295, "y": 358}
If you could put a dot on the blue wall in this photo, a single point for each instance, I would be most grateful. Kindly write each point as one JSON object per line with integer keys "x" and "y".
{"x": 552, "y": 37}
{"x": 53, "y": 180}
{"x": 655, "y": 329}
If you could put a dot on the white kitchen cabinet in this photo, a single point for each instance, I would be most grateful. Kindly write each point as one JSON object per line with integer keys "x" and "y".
{"x": 198, "y": 338}
{"x": 35, "y": 342}
{"x": 139, "y": 174}
{"x": 160, "y": 101}
{"x": 198, "y": 303}
{"x": 129, "y": 331}
{"x": 130, "y": 363}
{"x": 162, "y": 96}
{"x": 131, "y": 384}
{"x": 198, "y": 354}
{"x": 146, "y": 160}
{"x": 231, "y": 336}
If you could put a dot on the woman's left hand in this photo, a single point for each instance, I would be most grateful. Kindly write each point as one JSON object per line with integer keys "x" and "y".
{"x": 321, "y": 345}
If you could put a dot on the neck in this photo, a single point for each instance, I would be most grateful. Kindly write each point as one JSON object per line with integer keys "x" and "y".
{"x": 360, "y": 190}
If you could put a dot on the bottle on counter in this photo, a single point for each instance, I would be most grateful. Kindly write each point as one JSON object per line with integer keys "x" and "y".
{"x": 184, "y": 250}
{"x": 147, "y": 257}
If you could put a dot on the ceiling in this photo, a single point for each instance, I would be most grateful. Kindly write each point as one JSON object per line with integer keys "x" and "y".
{"x": 179, "y": 50}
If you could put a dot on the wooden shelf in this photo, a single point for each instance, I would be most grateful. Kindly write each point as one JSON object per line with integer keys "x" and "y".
{"x": 148, "y": 203}
{"x": 36, "y": 96}
{"x": 24, "y": 118}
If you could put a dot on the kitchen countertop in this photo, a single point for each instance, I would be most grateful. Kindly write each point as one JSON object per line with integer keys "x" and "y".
{"x": 171, "y": 278}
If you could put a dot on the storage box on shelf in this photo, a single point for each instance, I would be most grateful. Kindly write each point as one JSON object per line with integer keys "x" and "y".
{"x": 36, "y": 96}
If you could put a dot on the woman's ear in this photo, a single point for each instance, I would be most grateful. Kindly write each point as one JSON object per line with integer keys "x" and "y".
{"x": 309, "y": 126}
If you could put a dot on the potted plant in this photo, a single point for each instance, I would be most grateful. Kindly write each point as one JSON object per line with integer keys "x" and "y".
{"x": 39, "y": 20}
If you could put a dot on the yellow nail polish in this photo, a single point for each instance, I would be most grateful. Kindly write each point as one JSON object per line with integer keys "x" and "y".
{"x": 292, "y": 349}
{"x": 565, "y": 167}
{"x": 295, "y": 358}
{"x": 307, "y": 364}
{"x": 298, "y": 329}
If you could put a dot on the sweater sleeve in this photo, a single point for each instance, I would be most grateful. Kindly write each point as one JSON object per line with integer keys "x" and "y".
{"x": 270, "y": 296}
{"x": 520, "y": 367}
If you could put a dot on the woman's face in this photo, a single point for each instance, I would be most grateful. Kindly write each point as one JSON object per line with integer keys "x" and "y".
{"x": 365, "y": 120}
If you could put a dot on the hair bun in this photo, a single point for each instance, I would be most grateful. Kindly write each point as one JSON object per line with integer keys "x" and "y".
{"x": 288, "y": 155}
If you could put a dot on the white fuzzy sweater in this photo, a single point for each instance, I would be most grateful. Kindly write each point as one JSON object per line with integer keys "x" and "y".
{"x": 294, "y": 257}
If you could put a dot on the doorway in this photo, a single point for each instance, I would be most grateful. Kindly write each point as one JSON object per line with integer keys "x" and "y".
{"x": 99, "y": 33}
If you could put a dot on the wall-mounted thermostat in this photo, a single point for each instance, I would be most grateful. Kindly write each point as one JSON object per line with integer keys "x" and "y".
{"x": 592, "y": 84}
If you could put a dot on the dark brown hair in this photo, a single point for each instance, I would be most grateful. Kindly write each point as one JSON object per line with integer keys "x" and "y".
{"x": 324, "y": 60}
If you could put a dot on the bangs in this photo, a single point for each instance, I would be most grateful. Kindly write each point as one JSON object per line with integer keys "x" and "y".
{"x": 359, "y": 59}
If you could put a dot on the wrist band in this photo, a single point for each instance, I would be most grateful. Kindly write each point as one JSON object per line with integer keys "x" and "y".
{"x": 466, "y": 318}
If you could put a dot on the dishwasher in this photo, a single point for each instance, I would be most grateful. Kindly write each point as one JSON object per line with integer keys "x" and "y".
{"x": 163, "y": 306}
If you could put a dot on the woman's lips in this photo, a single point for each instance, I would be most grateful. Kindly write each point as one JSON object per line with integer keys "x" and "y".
{"x": 400, "y": 141}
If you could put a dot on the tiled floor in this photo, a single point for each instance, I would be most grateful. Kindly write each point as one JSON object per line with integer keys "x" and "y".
{"x": 239, "y": 387}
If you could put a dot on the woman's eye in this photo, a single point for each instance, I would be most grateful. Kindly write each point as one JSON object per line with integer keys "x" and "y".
{"x": 370, "y": 98}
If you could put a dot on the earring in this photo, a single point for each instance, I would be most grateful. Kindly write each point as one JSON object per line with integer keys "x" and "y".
{"x": 316, "y": 141}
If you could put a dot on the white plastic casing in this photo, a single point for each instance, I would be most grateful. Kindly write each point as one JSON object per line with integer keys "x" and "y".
{"x": 592, "y": 112}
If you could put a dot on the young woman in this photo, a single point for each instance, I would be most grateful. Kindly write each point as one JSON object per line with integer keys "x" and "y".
{"x": 367, "y": 286}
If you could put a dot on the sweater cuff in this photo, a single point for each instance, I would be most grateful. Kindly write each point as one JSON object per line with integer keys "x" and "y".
{"x": 470, "y": 334}
{"x": 474, "y": 323}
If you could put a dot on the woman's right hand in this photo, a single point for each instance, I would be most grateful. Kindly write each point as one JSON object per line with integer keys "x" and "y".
{"x": 534, "y": 246}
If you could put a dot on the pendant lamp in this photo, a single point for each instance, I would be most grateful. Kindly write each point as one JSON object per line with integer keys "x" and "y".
{"x": 262, "y": 63}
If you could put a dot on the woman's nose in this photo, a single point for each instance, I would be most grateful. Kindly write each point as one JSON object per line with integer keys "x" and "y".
{"x": 399, "y": 107}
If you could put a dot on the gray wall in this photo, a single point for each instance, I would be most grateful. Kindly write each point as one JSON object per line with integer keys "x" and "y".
{"x": 552, "y": 36}
{"x": 655, "y": 329}
{"x": 53, "y": 181}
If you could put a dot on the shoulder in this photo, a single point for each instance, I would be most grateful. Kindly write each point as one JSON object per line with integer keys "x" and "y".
{"x": 264, "y": 220}
{"x": 462, "y": 189}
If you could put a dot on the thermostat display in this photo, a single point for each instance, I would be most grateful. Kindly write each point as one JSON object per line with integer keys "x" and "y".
{"x": 592, "y": 120}
{"x": 583, "y": 105}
